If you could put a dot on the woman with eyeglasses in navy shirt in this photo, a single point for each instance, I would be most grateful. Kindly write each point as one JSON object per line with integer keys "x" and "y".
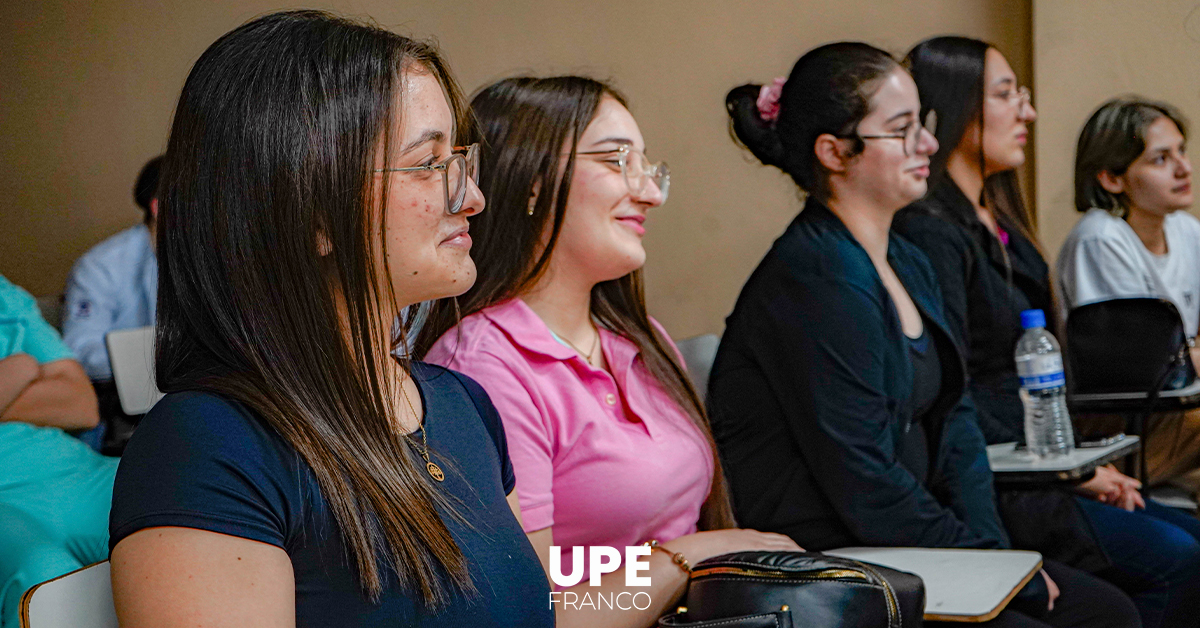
{"x": 297, "y": 473}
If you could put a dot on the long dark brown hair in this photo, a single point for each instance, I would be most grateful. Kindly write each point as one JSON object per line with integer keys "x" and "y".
{"x": 267, "y": 167}
{"x": 949, "y": 72}
{"x": 526, "y": 124}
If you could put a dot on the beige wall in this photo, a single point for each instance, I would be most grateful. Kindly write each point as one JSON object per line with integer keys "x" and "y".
{"x": 1087, "y": 51}
{"x": 88, "y": 90}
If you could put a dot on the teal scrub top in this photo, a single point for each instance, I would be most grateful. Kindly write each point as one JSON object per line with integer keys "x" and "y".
{"x": 22, "y": 328}
{"x": 30, "y": 455}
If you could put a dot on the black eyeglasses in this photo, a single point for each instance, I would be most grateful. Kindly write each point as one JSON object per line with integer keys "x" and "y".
{"x": 911, "y": 133}
{"x": 455, "y": 169}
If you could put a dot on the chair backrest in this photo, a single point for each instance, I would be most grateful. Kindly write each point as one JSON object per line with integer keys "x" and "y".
{"x": 80, "y": 599}
{"x": 1124, "y": 345}
{"x": 131, "y": 353}
{"x": 698, "y": 354}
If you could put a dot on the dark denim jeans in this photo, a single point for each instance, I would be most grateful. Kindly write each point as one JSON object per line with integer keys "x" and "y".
{"x": 1155, "y": 557}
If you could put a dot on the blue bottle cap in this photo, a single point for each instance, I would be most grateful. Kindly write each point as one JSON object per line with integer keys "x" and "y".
{"x": 1033, "y": 318}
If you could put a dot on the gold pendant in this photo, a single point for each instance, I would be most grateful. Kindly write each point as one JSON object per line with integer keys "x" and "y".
{"x": 435, "y": 471}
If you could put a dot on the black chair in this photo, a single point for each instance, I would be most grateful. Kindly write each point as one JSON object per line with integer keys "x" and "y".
{"x": 1129, "y": 357}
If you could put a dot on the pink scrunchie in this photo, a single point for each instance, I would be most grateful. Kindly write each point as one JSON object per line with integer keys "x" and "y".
{"x": 768, "y": 99}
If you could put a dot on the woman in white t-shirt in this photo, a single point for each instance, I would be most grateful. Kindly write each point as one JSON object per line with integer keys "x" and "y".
{"x": 1132, "y": 178}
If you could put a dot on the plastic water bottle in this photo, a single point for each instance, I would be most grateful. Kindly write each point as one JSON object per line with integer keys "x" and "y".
{"x": 1043, "y": 389}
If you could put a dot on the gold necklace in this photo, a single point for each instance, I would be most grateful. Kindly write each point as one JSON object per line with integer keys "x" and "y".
{"x": 586, "y": 355}
{"x": 431, "y": 467}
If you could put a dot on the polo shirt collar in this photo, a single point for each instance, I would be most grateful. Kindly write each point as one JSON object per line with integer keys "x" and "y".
{"x": 526, "y": 329}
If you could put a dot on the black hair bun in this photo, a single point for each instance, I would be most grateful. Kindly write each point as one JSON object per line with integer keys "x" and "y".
{"x": 749, "y": 129}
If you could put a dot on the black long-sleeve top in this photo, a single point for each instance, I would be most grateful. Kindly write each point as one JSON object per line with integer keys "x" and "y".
{"x": 810, "y": 402}
{"x": 986, "y": 285}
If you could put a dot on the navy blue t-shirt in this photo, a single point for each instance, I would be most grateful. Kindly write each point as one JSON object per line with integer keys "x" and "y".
{"x": 202, "y": 461}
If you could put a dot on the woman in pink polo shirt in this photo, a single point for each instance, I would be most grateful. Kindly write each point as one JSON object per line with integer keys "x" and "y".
{"x": 608, "y": 437}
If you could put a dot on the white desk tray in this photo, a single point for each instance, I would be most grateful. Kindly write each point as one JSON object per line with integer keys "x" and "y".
{"x": 963, "y": 585}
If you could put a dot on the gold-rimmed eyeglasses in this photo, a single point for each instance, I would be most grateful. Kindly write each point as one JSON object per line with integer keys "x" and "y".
{"x": 638, "y": 171}
{"x": 911, "y": 133}
{"x": 455, "y": 169}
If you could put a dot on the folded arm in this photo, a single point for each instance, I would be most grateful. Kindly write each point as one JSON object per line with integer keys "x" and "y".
{"x": 60, "y": 395}
{"x": 17, "y": 372}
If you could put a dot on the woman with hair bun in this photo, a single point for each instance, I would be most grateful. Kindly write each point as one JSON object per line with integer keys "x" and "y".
{"x": 977, "y": 234}
{"x": 838, "y": 394}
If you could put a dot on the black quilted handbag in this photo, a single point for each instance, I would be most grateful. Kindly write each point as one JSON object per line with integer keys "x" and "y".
{"x": 798, "y": 590}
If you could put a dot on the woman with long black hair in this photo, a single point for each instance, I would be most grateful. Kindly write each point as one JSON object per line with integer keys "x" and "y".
{"x": 296, "y": 473}
{"x": 975, "y": 230}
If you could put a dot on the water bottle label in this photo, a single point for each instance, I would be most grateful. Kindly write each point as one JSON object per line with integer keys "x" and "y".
{"x": 1042, "y": 371}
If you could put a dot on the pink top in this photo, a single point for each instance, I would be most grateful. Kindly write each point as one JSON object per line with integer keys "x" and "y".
{"x": 605, "y": 459}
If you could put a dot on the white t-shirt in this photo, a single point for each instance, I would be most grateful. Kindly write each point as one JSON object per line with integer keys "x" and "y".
{"x": 1104, "y": 259}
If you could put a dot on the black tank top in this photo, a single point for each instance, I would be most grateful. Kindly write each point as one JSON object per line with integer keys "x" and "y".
{"x": 927, "y": 386}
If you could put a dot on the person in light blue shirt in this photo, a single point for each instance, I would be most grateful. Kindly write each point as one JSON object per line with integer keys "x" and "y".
{"x": 55, "y": 491}
{"x": 114, "y": 285}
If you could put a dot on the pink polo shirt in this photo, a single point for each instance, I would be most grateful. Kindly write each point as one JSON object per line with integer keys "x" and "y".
{"x": 604, "y": 459}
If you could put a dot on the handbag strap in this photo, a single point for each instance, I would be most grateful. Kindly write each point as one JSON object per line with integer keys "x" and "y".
{"x": 776, "y": 619}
